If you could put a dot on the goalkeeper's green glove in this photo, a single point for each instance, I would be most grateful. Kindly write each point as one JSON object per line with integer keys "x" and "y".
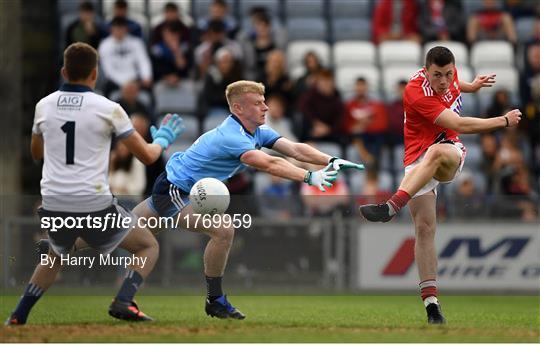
{"x": 321, "y": 178}
{"x": 171, "y": 127}
{"x": 338, "y": 164}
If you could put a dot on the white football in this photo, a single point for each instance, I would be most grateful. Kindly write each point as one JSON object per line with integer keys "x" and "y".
{"x": 209, "y": 196}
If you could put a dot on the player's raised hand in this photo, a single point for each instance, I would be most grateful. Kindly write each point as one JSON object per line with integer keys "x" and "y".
{"x": 321, "y": 178}
{"x": 338, "y": 164}
{"x": 512, "y": 117}
{"x": 171, "y": 127}
{"x": 483, "y": 81}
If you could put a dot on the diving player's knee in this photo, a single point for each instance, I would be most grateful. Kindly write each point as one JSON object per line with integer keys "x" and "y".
{"x": 224, "y": 235}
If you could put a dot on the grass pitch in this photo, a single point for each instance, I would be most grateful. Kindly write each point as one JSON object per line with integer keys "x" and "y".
{"x": 281, "y": 319}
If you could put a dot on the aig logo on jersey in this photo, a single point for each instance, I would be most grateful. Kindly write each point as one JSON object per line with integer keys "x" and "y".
{"x": 68, "y": 101}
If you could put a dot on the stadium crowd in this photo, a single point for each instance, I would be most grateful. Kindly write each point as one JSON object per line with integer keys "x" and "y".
{"x": 334, "y": 73}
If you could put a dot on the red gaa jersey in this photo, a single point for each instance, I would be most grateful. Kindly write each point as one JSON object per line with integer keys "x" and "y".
{"x": 422, "y": 107}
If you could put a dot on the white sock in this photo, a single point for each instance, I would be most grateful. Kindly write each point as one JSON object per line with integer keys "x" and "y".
{"x": 391, "y": 210}
{"x": 431, "y": 299}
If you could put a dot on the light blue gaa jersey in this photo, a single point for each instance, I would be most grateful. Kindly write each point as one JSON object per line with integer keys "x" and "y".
{"x": 217, "y": 153}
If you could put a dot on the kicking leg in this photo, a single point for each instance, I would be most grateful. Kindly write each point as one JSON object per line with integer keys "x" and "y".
{"x": 441, "y": 162}
{"x": 43, "y": 277}
{"x": 423, "y": 212}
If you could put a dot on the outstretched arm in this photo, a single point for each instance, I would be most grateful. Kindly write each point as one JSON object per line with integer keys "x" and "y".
{"x": 469, "y": 125}
{"x": 308, "y": 154}
{"x": 278, "y": 166}
{"x": 479, "y": 82}
{"x": 171, "y": 127}
{"x": 301, "y": 152}
{"x": 143, "y": 151}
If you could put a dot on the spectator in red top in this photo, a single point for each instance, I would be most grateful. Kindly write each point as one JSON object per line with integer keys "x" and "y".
{"x": 395, "y": 20}
{"x": 366, "y": 123}
{"x": 322, "y": 110}
{"x": 491, "y": 23}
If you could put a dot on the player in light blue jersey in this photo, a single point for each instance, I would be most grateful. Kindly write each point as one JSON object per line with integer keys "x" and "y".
{"x": 217, "y": 153}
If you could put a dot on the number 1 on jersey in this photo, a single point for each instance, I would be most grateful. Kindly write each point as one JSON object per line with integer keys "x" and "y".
{"x": 69, "y": 129}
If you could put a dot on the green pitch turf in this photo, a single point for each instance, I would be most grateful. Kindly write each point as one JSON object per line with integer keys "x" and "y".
{"x": 281, "y": 319}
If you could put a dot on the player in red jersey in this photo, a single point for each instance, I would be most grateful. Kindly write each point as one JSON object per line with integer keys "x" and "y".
{"x": 433, "y": 155}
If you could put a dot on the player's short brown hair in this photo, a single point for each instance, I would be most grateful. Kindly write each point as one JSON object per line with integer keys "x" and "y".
{"x": 440, "y": 56}
{"x": 241, "y": 87}
{"x": 80, "y": 59}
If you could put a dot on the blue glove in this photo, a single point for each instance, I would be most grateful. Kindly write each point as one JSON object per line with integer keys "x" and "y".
{"x": 321, "y": 178}
{"x": 171, "y": 127}
{"x": 338, "y": 164}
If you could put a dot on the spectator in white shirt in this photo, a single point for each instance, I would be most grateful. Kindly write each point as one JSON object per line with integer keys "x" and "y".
{"x": 124, "y": 58}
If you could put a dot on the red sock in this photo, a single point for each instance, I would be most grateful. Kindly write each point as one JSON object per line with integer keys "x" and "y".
{"x": 398, "y": 200}
{"x": 428, "y": 288}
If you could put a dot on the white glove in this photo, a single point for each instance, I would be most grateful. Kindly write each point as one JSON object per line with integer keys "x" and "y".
{"x": 321, "y": 178}
{"x": 338, "y": 164}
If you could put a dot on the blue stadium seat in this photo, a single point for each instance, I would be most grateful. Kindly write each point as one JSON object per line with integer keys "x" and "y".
{"x": 351, "y": 29}
{"x": 357, "y": 183}
{"x": 470, "y": 104}
{"x": 303, "y": 8}
{"x": 385, "y": 180}
{"x": 191, "y": 133}
{"x": 212, "y": 122}
{"x": 399, "y": 153}
{"x": 306, "y": 29}
{"x": 261, "y": 182}
{"x": 143, "y": 97}
{"x": 350, "y": 9}
{"x": 329, "y": 148}
{"x": 474, "y": 155}
{"x": 525, "y": 28}
{"x": 471, "y": 6}
{"x": 182, "y": 99}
